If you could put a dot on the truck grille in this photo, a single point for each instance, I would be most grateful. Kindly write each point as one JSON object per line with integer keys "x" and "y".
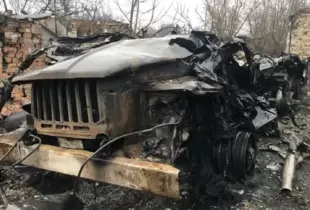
{"x": 84, "y": 108}
{"x": 65, "y": 101}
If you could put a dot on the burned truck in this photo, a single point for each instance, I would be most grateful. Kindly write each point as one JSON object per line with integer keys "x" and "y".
{"x": 164, "y": 115}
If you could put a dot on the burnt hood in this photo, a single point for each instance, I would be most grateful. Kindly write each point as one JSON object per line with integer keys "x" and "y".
{"x": 117, "y": 57}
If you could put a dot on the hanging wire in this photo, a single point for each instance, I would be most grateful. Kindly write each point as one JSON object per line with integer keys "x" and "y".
{"x": 114, "y": 140}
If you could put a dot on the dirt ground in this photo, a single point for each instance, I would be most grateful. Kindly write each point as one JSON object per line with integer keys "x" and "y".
{"x": 261, "y": 192}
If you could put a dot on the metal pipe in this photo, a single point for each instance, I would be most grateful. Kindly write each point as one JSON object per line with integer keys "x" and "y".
{"x": 30, "y": 153}
{"x": 288, "y": 173}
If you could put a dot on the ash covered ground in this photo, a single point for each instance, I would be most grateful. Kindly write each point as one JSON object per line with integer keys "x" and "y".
{"x": 261, "y": 192}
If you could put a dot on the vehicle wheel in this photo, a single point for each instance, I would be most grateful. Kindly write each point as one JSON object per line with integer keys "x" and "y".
{"x": 236, "y": 159}
{"x": 243, "y": 156}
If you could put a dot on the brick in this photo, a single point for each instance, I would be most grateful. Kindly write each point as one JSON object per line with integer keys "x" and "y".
{"x": 10, "y": 55}
{"x": 9, "y": 49}
{"x": 11, "y": 35}
{"x": 8, "y": 59}
{"x": 36, "y": 41}
{"x": 12, "y": 24}
{"x": 26, "y": 52}
{"x": 11, "y": 42}
{"x": 9, "y": 29}
{"x": 35, "y": 29}
{"x": 26, "y": 45}
{"x": 25, "y": 25}
{"x": 19, "y": 55}
{"x": 12, "y": 67}
{"x": 24, "y": 30}
{"x": 26, "y": 41}
{"x": 27, "y": 35}
{"x": 16, "y": 61}
{"x": 39, "y": 36}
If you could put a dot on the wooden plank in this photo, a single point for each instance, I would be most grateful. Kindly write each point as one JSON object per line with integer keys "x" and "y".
{"x": 156, "y": 178}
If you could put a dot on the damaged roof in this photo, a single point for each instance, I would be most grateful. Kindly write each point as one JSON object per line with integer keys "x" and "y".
{"x": 117, "y": 57}
{"x": 30, "y": 17}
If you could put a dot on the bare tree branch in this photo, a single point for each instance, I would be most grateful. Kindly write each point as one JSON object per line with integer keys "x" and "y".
{"x": 184, "y": 17}
{"x": 271, "y": 21}
{"x": 5, "y": 5}
{"x": 255, "y": 7}
{"x": 137, "y": 12}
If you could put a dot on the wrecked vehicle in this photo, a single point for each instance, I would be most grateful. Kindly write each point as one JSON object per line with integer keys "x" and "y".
{"x": 280, "y": 79}
{"x": 164, "y": 115}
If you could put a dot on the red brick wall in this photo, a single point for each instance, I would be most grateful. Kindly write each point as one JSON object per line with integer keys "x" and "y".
{"x": 18, "y": 40}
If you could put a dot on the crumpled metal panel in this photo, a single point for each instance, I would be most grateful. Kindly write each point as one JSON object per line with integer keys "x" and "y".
{"x": 186, "y": 83}
{"x": 116, "y": 58}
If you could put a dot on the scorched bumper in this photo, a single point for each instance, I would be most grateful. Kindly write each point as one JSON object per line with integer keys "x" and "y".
{"x": 159, "y": 179}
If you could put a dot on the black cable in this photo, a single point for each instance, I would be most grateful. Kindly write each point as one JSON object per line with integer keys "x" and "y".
{"x": 114, "y": 140}
{"x": 2, "y": 193}
{"x": 10, "y": 150}
{"x": 15, "y": 144}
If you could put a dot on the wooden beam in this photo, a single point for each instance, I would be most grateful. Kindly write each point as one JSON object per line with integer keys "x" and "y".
{"x": 156, "y": 178}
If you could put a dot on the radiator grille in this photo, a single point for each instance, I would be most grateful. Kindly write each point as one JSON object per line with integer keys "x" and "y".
{"x": 65, "y": 101}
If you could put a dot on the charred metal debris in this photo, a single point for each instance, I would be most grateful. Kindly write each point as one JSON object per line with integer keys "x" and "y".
{"x": 206, "y": 103}
{"x": 281, "y": 79}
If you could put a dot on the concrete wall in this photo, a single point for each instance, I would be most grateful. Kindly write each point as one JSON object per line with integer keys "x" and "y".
{"x": 299, "y": 42}
{"x": 49, "y": 31}
{"x": 78, "y": 27}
